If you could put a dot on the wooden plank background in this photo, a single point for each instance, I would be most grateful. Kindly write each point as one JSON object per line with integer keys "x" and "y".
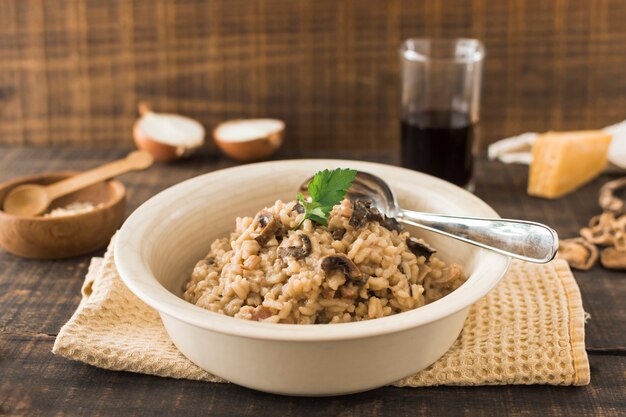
{"x": 73, "y": 71}
{"x": 38, "y": 297}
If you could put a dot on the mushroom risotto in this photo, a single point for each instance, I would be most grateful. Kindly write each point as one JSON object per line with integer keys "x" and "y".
{"x": 359, "y": 266}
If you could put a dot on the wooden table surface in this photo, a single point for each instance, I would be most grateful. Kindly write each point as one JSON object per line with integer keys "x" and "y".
{"x": 38, "y": 297}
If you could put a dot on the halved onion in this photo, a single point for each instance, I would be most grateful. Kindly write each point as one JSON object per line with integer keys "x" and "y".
{"x": 249, "y": 139}
{"x": 167, "y": 136}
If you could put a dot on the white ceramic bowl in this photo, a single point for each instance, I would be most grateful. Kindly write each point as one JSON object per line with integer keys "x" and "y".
{"x": 161, "y": 241}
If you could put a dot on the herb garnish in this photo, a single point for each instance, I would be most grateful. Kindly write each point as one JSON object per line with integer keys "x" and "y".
{"x": 326, "y": 189}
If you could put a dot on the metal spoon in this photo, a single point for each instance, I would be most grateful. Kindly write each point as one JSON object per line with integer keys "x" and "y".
{"x": 529, "y": 241}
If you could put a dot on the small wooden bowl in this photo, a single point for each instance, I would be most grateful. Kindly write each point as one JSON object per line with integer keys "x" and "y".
{"x": 39, "y": 237}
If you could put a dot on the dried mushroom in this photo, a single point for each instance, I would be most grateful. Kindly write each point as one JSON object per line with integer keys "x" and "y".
{"x": 271, "y": 228}
{"x": 615, "y": 257}
{"x": 297, "y": 252}
{"x": 600, "y": 230}
{"x": 419, "y": 248}
{"x": 607, "y": 198}
{"x": 578, "y": 253}
{"x": 606, "y": 229}
{"x": 341, "y": 262}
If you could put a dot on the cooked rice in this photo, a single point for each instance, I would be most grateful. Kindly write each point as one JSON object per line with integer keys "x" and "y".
{"x": 250, "y": 279}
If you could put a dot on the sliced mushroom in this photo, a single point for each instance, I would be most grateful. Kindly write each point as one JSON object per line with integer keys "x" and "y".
{"x": 265, "y": 218}
{"x": 297, "y": 252}
{"x": 600, "y": 230}
{"x": 363, "y": 212}
{"x": 607, "y": 198}
{"x": 341, "y": 262}
{"x": 271, "y": 228}
{"x": 390, "y": 223}
{"x": 578, "y": 253}
{"x": 338, "y": 233}
{"x": 419, "y": 248}
{"x": 359, "y": 213}
{"x": 613, "y": 258}
{"x": 299, "y": 208}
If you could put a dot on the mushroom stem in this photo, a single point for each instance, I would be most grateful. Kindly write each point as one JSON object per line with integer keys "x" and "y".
{"x": 419, "y": 248}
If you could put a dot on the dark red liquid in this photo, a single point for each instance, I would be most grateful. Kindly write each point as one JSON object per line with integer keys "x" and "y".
{"x": 439, "y": 143}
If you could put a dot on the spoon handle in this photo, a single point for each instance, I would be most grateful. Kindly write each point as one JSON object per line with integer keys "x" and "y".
{"x": 529, "y": 241}
{"x": 133, "y": 161}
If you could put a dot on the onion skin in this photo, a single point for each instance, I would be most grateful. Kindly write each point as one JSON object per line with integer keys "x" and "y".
{"x": 251, "y": 150}
{"x": 160, "y": 151}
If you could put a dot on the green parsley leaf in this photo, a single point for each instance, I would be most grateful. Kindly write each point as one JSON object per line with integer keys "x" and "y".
{"x": 327, "y": 188}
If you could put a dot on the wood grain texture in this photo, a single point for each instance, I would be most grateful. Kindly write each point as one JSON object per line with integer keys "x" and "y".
{"x": 36, "y": 383}
{"x": 61, "y": 237}
{"x": 38, "y": 297}
{"x": 73, "y": 71}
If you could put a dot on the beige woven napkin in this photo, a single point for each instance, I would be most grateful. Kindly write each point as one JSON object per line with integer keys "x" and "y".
{"x": 528, "y": 330}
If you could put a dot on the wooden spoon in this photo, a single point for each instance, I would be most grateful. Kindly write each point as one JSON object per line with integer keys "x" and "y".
{"x": 33, "y": 199}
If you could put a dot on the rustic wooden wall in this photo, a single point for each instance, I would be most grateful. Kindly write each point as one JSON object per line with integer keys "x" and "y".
{"x": 72, "y": 71}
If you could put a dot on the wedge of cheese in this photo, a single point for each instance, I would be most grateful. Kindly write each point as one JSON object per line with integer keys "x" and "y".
{"x": 563, "y": 161}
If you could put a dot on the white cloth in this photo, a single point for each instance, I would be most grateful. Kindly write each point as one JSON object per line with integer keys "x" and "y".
{"x": 529, "y": 330}
{"x": 517, "y": 149}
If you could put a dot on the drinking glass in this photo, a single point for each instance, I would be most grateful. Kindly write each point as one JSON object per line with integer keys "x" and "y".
{"x": 441, "y": 81}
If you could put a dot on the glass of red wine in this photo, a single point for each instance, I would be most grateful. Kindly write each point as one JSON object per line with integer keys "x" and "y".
{"x": 441, "y": 81}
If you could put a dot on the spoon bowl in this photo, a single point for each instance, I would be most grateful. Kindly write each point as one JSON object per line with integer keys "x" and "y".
{"x": 33, "y": 199}
{"x": 525, "y": 240}
{"x": 27, "y": 200}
